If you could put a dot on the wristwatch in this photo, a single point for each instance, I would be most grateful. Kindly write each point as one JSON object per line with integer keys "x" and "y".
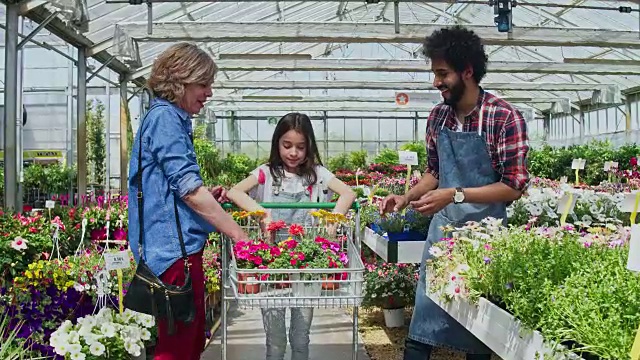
{"x": 458, "y": 196}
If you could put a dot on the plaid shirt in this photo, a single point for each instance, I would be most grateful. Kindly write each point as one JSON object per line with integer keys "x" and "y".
{"x": 506, "y": 135}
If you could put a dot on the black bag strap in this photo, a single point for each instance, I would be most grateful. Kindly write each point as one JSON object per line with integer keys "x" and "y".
{"x": 141, "y": 201}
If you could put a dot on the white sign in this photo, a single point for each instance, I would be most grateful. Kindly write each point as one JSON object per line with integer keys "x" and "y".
{"x": 408, "y": 157}
{"x": 629, "y": 202}
{"x": 578, "y": 164}
{"x": 633, "y": 261}
{"x": 50, "y": 204}
{"x": 117, "y": 260}
{"x": 564, "y": 202}
{"x": 610, "y": 165}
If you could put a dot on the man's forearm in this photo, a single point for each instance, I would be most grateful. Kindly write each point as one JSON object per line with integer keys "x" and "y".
{"x": 496, "y": 192}
{"x": 202, "y": 202}
{"x": 426, "y": 184}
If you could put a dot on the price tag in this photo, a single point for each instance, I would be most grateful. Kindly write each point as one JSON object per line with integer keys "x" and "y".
{"x": 567, "y": 203}
{"x": 633, "y": 261}
{"x": 408, "y": 157}
{"x": 578, "y": 164}
{"x": 50, "y": 204}
{"x": 117, "y": 260}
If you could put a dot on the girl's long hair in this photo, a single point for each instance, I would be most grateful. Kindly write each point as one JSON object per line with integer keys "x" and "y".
{"x": 302, "y": 124}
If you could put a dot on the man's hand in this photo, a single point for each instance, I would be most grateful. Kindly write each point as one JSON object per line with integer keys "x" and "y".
{"x": 219, "y": 193}
{"x": 433, "y": 201}
{"x": 391, "y": 203}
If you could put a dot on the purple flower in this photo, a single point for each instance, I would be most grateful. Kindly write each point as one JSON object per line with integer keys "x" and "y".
{"x": 487, "y": 260}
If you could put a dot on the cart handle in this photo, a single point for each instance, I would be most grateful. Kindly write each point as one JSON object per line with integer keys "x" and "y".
{"x": 300, "y": 205}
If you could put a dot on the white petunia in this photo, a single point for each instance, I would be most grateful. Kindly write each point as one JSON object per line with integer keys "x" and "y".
{"x": 97, "y": 349}
{"x": 62, "y": 348}
{"x": 132, "y": 348}
{"x": 108, "y": 330}
{"x": 78, "y": 356}
{"x": 75, "y": 348}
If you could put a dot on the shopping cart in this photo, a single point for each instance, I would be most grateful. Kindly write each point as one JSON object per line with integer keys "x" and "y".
{"x": 317, "y": 288}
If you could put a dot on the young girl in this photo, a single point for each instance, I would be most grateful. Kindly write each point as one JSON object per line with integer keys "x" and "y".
{"x": 294, "y": 174}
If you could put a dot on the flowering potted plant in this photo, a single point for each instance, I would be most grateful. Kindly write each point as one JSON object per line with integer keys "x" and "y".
{"x": 391, "y": 287}
{"x": 106, "y": 335}
{"x": 408, "y": 226}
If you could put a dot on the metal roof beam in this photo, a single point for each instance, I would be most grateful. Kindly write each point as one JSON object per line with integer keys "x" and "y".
{"x": 414, "y": 66}
{"x": 345, "y": 32}
{"x": 336, "y": 106}
{"x": 401, "y": 85}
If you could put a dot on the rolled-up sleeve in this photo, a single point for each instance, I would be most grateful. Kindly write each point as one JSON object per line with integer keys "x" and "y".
{"x": 433, "y": 166}
{"x": 170, "y": 145}
{"x": 513, "y": 147}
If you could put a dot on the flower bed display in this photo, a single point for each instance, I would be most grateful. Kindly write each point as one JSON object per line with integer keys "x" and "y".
{"x": 568, "y": 283}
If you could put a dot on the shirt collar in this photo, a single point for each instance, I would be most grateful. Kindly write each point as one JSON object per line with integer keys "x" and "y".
{"x": 184, "y": 116}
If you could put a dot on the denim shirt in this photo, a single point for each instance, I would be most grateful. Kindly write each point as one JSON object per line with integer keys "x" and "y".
{"x": 169, "y": 171}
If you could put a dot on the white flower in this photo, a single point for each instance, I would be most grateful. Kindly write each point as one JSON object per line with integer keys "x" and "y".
{"x": 74, "y": 337}
{"x": 108, "y": 330}
{"x": 147, "y": 321}
{"x": 132, "y": 348}
{"x": 62, "y": 348}
{"x": 75, "y": 348}
{"x": 145, "y": 335}
{"x": 434, "y": 251}
{"x": 78, "y": 356}
{"x": 19, "y": 243}
{"x": 97, "y": 349}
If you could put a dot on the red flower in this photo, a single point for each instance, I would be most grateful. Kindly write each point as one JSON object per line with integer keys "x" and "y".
{"x": 275, "y": 226}
{"x": 262, "y": 178}
{"x": 296, "y": 229}
{"x": 633, "y": 161}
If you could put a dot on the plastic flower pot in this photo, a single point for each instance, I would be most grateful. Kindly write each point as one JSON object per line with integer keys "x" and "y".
{"x": 330, "y": 284}
{"x": 250, "y": 286}
{"x": 305, "y": 289}
{"x": 394, "y": 318}
{"x": 410, "y": 235}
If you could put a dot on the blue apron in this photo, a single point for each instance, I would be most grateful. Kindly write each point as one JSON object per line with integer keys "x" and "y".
{"x": 464, "y": 162}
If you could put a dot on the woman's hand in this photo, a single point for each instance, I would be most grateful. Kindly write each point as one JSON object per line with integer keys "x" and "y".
{"x": 269, "y": 236}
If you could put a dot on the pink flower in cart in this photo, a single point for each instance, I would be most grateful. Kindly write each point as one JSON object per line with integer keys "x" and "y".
{"x": 242, "y": 254}
{"x": 344, "y": 258}
{"x": 275, "y": 251}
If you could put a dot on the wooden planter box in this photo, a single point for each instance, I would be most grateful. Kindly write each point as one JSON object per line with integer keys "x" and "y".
{"x": 501, "y": 332}
{"x": 401, "y": 252}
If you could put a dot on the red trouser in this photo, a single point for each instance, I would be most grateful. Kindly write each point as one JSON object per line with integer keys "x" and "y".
{"x": 187, "y": 343}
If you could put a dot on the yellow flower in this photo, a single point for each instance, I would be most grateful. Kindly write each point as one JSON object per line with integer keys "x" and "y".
{"x": 257, "y": 213}
{"x": 28, "y": 274}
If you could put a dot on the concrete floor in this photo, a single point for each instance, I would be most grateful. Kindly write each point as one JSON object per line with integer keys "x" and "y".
{"x": 331, "y": 337}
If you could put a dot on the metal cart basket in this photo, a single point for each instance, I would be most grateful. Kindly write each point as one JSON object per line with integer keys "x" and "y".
{"x": 317, "y": 288}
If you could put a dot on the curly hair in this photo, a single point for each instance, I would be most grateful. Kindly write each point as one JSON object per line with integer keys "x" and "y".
{"x": 180, "y": 65}
{"x": 459, "y": 48}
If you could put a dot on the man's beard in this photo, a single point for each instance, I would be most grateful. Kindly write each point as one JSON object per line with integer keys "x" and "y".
{"x": 455, "y": 93}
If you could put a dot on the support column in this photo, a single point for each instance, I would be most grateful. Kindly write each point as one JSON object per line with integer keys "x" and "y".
{"x": 107, "y": 125}
{"x": 325, "y": 126}
{"x": 10, "y": 108}
{"x": 19, "y": 120}
{"x": 81, "y": 125}
{"x": 124, "y": 157}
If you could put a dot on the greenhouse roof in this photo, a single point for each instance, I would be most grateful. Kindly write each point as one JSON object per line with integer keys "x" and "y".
{"x": 560, "y": 52}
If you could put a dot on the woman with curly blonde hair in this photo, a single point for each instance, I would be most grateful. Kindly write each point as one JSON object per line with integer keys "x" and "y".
{"x": 174, "y": 213}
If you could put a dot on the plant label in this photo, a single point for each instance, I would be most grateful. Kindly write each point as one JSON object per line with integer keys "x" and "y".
{"x": 117, "y": 260}
{"x": 633, "y": 261}
{"x": 578, "y": 164}
{"x": 629, "y": 202}
{"x": 563, "y": 180}
{"x": 408, "y": 157}
{"x": 563, "y": 203}
{"x": 607, "y": 165}
{"x": 50, "y": 204}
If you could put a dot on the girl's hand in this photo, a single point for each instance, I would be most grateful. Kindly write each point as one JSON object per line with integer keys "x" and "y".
{"x": 264, "y": 225}
{"x": 331, "y": 230}
{"x": 219, "y": 193}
